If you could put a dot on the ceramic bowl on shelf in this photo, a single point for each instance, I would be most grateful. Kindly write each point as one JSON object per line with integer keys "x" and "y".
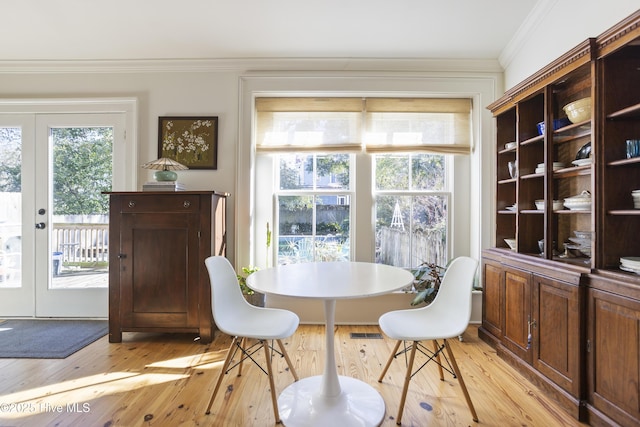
{"x": 539, "y": 204}
{"x": 511, "y": 243}
{"x": 578, "y": 111}
{"x": 510, "y": 145}
{"x": 580, "y": 202}
{"x": 557, "y": 124}
{"x": 558, "y": 205}
{"x": 584, "y": 152}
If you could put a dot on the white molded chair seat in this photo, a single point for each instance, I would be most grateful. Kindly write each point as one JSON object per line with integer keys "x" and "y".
{"x": 446, "y": 317}
{"x": 234, "y": 316}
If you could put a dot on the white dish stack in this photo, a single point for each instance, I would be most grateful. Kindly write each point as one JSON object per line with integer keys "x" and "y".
{"x": 630, "y": 264}
{"x": 582, "y": 242}
{"x": 556, "y": 166}
{"x": 635, "y": 194}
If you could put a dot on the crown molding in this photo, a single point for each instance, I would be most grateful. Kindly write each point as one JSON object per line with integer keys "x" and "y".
{"x": 250, "y": 64}
{"x": 538, "y": 14}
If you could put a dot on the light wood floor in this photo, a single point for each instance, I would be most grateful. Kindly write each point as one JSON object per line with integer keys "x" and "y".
{"x": 166, "y": 380}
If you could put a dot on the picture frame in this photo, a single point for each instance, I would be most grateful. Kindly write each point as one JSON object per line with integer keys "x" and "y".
{"x": 192, "y": 141}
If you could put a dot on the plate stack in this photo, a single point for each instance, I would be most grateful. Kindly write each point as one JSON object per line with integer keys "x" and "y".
{"x": 630, "y": 264}
{"x": 582, "y": 242}
{"x": 556, "y": 166}
{"x": 635, "y": 194}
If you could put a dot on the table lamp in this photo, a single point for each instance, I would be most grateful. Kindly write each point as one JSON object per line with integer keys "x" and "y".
{"x": 164, "y": 168}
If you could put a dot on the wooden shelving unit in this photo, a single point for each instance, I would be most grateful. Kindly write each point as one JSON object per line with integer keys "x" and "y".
{"x": 557, "y": 313}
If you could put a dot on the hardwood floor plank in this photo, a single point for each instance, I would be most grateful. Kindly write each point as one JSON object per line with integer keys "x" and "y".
{"x": 167, "y": 380}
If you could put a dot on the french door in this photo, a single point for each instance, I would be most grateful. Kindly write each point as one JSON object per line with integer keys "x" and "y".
{"x": 53, "y": 218}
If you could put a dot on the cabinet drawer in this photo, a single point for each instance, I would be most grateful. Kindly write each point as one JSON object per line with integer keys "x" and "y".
{"x": 168, "y": 203}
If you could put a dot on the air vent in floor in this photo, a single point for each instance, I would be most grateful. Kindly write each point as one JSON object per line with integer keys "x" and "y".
{"x": 365, "y": 335}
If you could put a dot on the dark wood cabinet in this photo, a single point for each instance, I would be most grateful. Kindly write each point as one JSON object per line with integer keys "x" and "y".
{"x": 558, "y": 305}
{"x": 536, "y": 325}
{"x": 517, "y": 308}
{"x": 157, "y": 278}
{"x": 557, "y": 333}
{"x": 492, "y": 298}
{"x": 613, "y": 348}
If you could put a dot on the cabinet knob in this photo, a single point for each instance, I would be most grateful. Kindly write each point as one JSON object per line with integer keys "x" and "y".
{"x": 132, "y": 204}
{"x": 186, "y": 204}
{"x": 122, "y": 256}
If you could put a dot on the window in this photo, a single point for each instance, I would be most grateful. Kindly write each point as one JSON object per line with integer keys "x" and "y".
{"x": 313, "y": 146}
{"x": 411, "y": 206}
{"x": 313, "y": 210}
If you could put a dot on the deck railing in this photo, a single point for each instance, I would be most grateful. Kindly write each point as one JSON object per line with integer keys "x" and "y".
{"x": 81, "y": 243}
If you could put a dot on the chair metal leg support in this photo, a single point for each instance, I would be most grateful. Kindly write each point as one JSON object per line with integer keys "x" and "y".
{"x": 407, "y": 379}
{"x": 391, "y": 357}
{"x": 461, "y": 381}
{"x": 267, "y": 356}
{"x": 227, "y": 360}
{"x": 286, "y": 357}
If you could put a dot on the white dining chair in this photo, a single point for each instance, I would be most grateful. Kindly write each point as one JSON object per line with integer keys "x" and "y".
{"x": 446, "y": 317}
{"x": 251, "y": 327}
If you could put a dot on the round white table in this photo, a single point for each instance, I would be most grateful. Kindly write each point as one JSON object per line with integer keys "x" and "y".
{"x": 329, "y": 399}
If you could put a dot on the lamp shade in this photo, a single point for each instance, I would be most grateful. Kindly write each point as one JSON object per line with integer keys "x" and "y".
{"x": 165, "y": 168}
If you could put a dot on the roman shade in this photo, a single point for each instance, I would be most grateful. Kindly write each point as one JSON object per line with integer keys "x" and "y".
{"x": 376, "y": 125}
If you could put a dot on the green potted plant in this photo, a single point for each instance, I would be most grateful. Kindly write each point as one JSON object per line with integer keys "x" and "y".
{"x": 427, "y": 279}
{"x": 253, "y": 297}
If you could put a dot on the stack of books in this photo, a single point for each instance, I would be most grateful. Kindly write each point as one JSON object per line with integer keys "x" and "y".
{"x": 163, "y": 186}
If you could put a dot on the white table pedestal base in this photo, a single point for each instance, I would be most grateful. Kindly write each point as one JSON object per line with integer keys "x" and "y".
{"x": 358, "y": 404}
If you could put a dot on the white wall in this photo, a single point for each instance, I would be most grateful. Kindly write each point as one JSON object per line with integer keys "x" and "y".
{"x": 213, "y": 88}
{"x": 158, "y": 94}
{"x": 555, "y": 27}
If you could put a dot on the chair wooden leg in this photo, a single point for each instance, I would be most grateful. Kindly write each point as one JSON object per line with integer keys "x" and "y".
{"x": 435, "y": 349}
{"x": 225, "y": 365}
{"x": 243, "y": 344}
{"x": 267, "y": 356}
{"x": 286, "y": 357}
{"x": 407, "y": 378}
{"x": 391, "y": 357}
{"x": 461, "y": 381}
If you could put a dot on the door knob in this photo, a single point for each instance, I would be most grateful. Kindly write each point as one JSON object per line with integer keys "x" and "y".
{"x": 40, "y": 225}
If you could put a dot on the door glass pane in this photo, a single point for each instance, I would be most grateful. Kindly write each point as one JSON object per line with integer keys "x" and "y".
{"x": 82, "y": 171}
{"x": 10, "y": 207}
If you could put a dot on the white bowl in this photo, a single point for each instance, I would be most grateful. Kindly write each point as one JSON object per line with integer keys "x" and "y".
{"x": 558, "y": 205}
{"x": 578, "y": 111}
{"x": 539, "y": 205}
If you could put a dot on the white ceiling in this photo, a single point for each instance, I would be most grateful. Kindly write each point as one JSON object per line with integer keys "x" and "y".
{"x": 232, "y": 29}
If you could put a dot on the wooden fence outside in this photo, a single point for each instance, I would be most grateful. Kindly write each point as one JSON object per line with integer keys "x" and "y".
{"x": 405, "y": 249}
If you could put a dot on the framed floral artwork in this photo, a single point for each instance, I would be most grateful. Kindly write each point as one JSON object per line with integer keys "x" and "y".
{"x": 192, "y": 141}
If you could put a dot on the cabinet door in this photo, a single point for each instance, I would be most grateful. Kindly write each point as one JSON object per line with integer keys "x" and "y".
{"x": 614, "y": 352}
{"x": 517, "y": 309}
{"x": 159, "y": 271}
{"x": 493, "y": 294}
{"x": 556, "y": 332}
